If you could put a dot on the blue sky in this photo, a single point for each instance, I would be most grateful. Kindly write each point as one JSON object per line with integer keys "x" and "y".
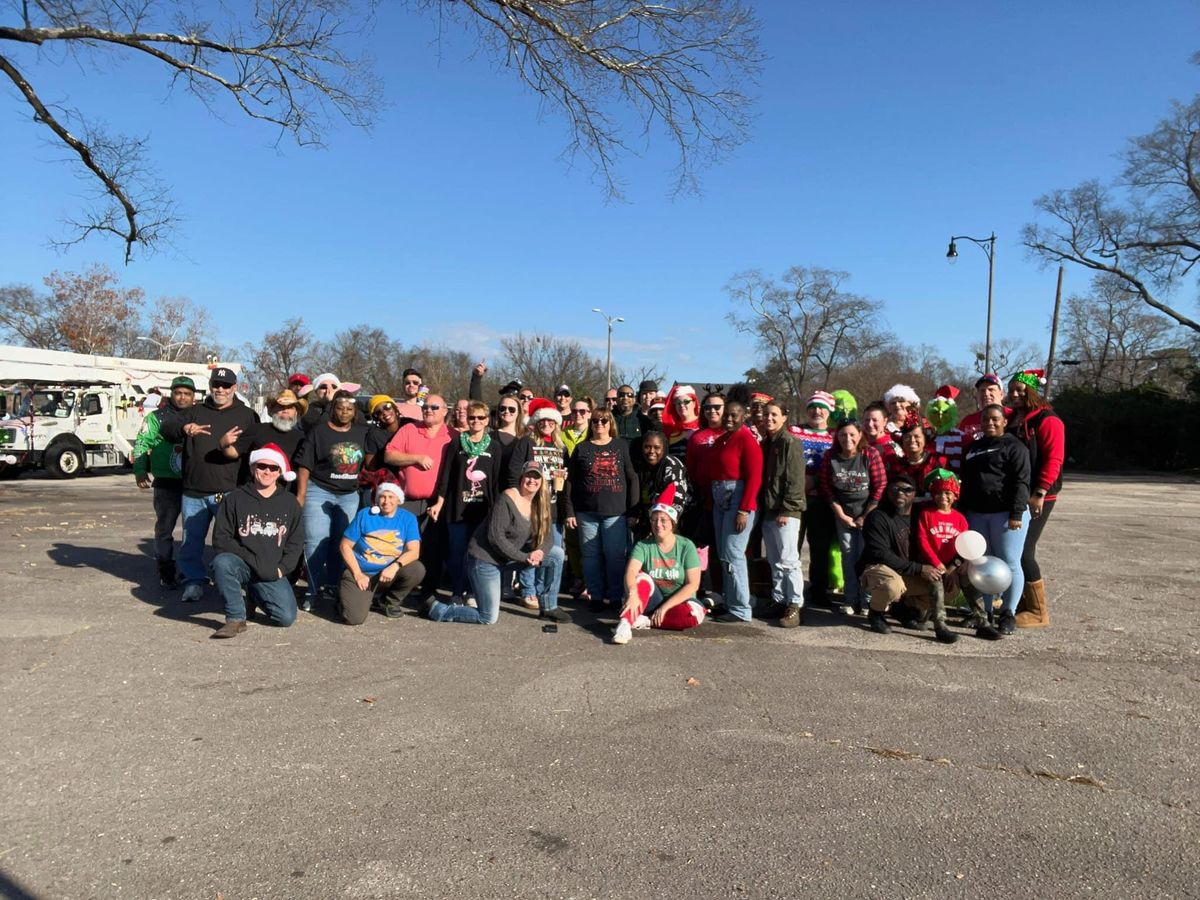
{"x": 881, "y": 129}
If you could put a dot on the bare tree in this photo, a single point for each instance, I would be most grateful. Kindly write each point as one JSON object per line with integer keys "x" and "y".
{"x": 542, "y": 362}
{"x": 179, "y": 330}
{"x": 364, "y": 354}
{"x": 1009, "y": 355}
{"x": 279, "y": 354}
{"x": 636, "y": 375}
{"x": 1144, "y": 230}
{"x": 807, "y": 327}
{"x": 682, "y": 68}
{"x": 1111, "y": 342}
{"x": 28, "y": 318}
{"x": 446, "y": 370}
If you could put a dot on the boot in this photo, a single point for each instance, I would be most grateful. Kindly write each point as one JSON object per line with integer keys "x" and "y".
{"x": 1032, "y": 611}
{"x": 167, "y": 576}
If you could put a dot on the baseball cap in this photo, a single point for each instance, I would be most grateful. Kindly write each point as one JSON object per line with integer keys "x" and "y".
{"x": 562, "y": 390}
{"x": 183, "y": 382}
{"x": 222, "y": 375}
{"x": 989, "y": 378}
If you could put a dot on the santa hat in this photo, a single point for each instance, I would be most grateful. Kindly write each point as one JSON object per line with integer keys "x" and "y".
{"x": 273, "y": 453}
{"x": 386, "y": 487}
{"x": 901, "y": 392}
{"x": 330, "y": 378}
{"x": 942, "y": 480}
{"x": 666, "y": 503}
{"x": 760, "y": 397}
{"x": 671, "y": 418}
{"x": 540, "y": 408}
{"x": 1034, "y": 378}
{"x": 823, "y": 399}
{"x": 947, "y": 392}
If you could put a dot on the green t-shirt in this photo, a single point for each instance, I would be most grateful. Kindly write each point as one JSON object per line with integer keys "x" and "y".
{"x": 669, "y": 571}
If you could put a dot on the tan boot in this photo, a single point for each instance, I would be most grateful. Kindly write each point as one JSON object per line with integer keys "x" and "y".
{"x": 1032, "y": 611}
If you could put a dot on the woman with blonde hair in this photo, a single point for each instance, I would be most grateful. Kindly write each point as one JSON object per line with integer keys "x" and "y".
{"x": 517, "y": 530}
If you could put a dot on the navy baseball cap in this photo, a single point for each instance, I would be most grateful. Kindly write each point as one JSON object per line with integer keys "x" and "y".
{"x": 222, "y": 375}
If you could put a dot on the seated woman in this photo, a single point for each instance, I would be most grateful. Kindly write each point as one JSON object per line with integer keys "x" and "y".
{"x": 380, "y": 549}
{"x": 661, "y": 577}
{"x": 517, "y": 530}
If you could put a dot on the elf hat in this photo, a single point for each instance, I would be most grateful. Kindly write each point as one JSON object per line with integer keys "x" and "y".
{"x": 1034, "y": 378}
{"x": 942, "y": 480}
{"x": 901, "y": 392}
{"x": 540, "y": 408}
{"x": 386, "y": 487}
{"x": 666, "y": 503}
{"x": 273, "y": 453}
{"x": 823, "y": 399}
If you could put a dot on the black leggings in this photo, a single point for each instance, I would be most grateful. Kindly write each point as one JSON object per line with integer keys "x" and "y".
{"x": 1029, "y": 563}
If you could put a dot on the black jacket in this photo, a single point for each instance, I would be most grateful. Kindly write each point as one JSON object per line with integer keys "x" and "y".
{"x": 887, "y": 541}
{"x": 206, "y": 470}
{"x": 266, "y": 532}
{"x": 995, "y": 476}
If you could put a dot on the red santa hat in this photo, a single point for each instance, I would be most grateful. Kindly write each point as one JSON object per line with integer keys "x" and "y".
{"x": 666, "y": 503}
{"x": 273, "y": 453}
{"x": 948, "y": 392}
{"x": 672, "y": 420}
{"x": 540, "y": 408}
{"x": 386, "y": 487}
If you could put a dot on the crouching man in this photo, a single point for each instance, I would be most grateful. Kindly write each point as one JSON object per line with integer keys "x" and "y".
{"x": 887, "y": 567}
{"x": 258, "y": 539}
{"x": 381, "y": 549}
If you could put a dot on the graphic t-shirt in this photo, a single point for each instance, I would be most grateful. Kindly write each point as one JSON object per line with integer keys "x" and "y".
{"x": 669, "y": 570}
{"x": 333, "y": 458}
{"x": 936, "y": 532}
{"x": 379, "y": 540}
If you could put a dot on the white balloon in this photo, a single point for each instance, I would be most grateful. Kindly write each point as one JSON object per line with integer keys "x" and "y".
{"x": 989, "y": 575}
{"x": 970, "y": 545}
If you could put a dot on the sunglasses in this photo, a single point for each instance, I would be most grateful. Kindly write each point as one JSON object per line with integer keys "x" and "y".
{"x": 526, "y": 397}
{"x": 220, "y": 387}
{"x": 383, "y": 407}
{"x": 712, "y": 407}
{"x": 684, "y": 401}
{"x": 563, "y": 394}
{"x": 477, "y": 418}
{"x": 412, "y": 384}
{"x": 624, "y": 394}
{"x": 433, "y": 407}
{"x": 601, "y": 421}
{"x": 509, "y": 409}
{"x": 535, "y": 476}
{"x": 904, "y": 489}
{"x": 581, "y": 412}
{"x": 267, "y": 467}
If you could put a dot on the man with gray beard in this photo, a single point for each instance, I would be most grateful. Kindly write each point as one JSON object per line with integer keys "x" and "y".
{"x": 283, "y": 430}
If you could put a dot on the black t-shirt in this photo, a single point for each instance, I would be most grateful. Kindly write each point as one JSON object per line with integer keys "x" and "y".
{"x": 333, "y": 458}
{"x": 258, "y": 436}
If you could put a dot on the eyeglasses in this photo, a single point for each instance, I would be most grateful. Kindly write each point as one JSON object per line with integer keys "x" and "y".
{"x": 384, "y": 407}
{"x": 512, "y": 410}
{"x": 610, "y": 400}
{"x": 267, "y": 467}
{"x": 562, "y": 394}
{"x": 433, "y": 407}
{"x": 412, "y": 384}
{"x": 220, "y": 387}
{"x": 684, "y": 401}
{"x": 582, "y": 411}
{"x": 477, "y": 418}
{"x": 624, "y": 393}
{"x": 904, "y": 489}
{"x": 601, "y": 421}
{"x": 712, "y": 407}
{"x": 526, "y": 397}
{"x": 534, "y": 476}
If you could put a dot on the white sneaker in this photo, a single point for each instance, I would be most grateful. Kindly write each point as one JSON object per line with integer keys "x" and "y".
{"x": 641, "y": 623}
{"x": 623, "y": 633}
{"x": 471, "y": 602}
{"x": 192, "y": 593}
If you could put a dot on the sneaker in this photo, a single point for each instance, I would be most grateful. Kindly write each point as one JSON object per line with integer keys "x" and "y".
{"x": 987, "y": 632}
{"x": 793, "y": 617}
{"x": 555, "y": 615}
{"x": 192, "y": 593}
{"x": 229, "y": 630}
{"x": 878, "y": 623}
{"x": 944, "y": 635}
{"x": 530, "y": 602}
{"x": 306, "y": 605}
{"x": 845, "y": 609}
{"x": 623, "y": 633}
{"x": 1008, "y": 623}
{"x": 729, "y": 619}
{"x": 859, "y": 609}
{"x": 427, "y": 606}
{"x": 393, "y": 610}
{"x": 641, "y": 623}
{"x": 471, "y": 601}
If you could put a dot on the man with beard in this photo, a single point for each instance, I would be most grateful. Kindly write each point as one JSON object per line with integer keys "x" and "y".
{"x": 162, "y": 461}
{"x": 627, "y": 415}
{"x": 283, "y": 430}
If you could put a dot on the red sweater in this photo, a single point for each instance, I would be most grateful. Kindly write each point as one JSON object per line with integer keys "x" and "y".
{"x": 699, "y": 452}
{"x": 918, "y": 471}
{"x": 737, "y": 456}
{"x": 936, "y": 532}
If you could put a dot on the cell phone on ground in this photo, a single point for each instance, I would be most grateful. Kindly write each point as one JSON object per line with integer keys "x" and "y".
{"x": 551, "y": 628}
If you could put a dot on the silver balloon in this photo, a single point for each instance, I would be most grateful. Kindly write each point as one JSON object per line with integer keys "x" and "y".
{"x": 989, "y": 575}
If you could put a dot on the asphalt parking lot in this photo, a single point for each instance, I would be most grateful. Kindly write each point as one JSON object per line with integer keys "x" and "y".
{"x": 411, "y": 758}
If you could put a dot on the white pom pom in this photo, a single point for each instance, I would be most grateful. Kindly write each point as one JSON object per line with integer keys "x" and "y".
{"x": 374, "y": 510}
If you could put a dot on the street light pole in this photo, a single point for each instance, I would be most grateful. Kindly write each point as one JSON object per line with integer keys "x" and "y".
{"x": 988, "y": 246}
{"x": 611, "y": 320}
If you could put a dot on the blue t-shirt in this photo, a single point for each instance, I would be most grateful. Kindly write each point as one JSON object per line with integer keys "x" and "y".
{"x": 379, "y": 540}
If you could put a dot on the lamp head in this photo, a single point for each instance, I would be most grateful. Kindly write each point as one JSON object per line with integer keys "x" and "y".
{"x": 597, "y": 309}
{"x": 619, "y": 319}
{"x": 952, "y": 253}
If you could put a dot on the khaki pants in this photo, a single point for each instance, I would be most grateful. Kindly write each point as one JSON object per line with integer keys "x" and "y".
{"x": 886, "y": 586}
{"x": 356, "y": 603}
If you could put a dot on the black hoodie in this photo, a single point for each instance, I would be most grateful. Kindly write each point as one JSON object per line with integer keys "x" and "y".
{"x": 266, "y": 532}
{"x": 995, "y": 476}
{"x": 206, "y": 470}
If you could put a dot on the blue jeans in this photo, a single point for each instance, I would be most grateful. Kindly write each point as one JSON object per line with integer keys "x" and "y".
{"x": 781, "y": 543}
{"x": 485, "y": 582}
{"x": 850, "y": 540}
{"x": 731, "y": 546}
{"x": 458, "y": 535}
{"x": 603, "y": 542}
{"x": 198, "y": 514}
{"x": 1006, "y": 544}
{"x": 326, "y": 516}
{"x": 232, "y": 574}
{"x": 545, "y": 580}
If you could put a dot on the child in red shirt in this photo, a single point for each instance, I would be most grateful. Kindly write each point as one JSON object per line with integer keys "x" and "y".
{"x": 938, "y": 524}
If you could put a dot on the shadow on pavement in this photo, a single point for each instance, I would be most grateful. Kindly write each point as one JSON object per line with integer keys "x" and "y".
{"x": 11, "y": 889}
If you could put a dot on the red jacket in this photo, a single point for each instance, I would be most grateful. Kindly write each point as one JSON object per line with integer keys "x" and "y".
{"x": 1043, "y": 433}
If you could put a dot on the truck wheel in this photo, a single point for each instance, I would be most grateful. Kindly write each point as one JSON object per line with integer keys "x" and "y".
{"x": 8, "y": 471}
{"x": 64, "y": 461}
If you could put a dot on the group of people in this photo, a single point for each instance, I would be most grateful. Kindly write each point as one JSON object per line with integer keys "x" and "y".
{"x": 660, "y": 507}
